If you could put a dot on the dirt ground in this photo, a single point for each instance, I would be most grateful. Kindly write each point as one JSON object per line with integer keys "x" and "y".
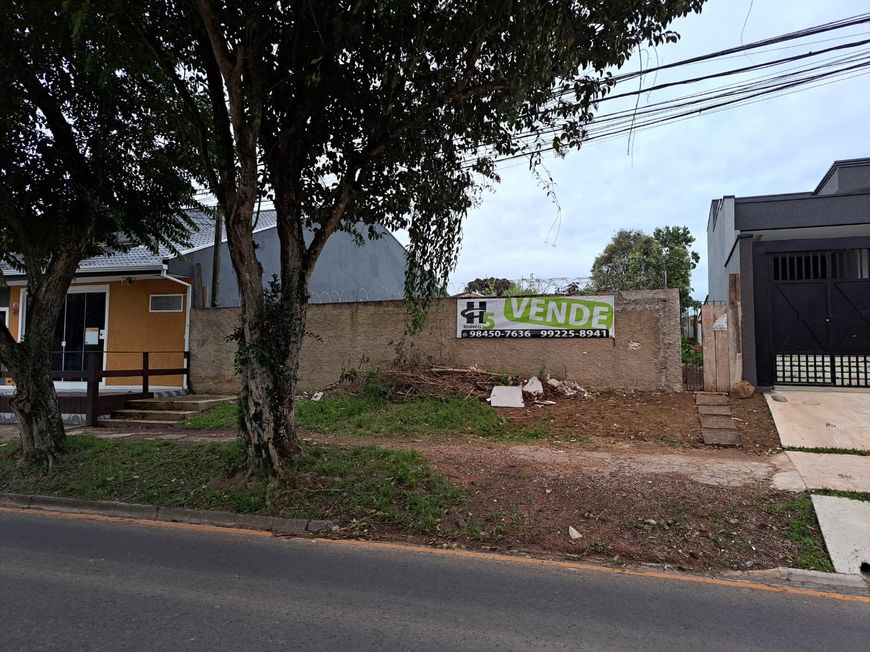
{"x": 695, "y": 510}
{"x": 636, "y": 484}
{"x": 608, "y": 419}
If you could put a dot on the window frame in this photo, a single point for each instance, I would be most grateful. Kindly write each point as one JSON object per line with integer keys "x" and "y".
{"x": 180, "y": 303}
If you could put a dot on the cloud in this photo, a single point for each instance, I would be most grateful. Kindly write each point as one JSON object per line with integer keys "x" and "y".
{"x": 673, "y": 172}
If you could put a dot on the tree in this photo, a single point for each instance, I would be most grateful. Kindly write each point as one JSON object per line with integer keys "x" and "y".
{"x": 87, "y": 164}
{"x": 372, "y": 111}
{"x": 490, "y": 286}
{"x": 679, "y": 260}
{"x": 634, "y": 260}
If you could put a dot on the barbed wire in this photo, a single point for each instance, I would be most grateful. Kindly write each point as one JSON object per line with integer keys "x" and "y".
{"x": 383, "y": 293}
{"x": 525, "y": 285}
{"x": 533, "y": 285}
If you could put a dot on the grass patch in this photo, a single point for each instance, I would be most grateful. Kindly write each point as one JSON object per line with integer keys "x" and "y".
{"x": 803, "y": 529}
{"x": 348, "y": 484}
{"x": 854, "y": 495}
{"x": 827, "y": 450}
{"x": 374, "y": 414}
{"x": 224, "y": 416}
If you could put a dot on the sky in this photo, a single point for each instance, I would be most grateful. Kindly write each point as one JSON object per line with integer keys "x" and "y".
{"x": 672, "y": 172}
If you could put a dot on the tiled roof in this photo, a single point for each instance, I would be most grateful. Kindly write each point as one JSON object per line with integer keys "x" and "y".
{"x": 140, "y": 258}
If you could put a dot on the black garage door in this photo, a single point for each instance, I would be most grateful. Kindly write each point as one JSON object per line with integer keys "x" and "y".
{"x": 820, "y": 317}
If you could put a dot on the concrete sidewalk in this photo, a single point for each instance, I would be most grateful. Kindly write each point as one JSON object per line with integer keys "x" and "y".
{"x": 831, "y": 419}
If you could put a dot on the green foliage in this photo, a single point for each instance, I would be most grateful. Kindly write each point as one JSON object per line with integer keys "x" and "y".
{"x": 352, "y": 485}
{"x": 93, "y": 155}
{"x": 689, "y": 355}
{"x": 634, "y": 260}
{"x": 489, "y": 287}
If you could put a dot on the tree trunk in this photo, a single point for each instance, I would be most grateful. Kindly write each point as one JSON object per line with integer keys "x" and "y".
{"x": 29, "y": 362}
{"x": 36, "y": 408}
{"x": 268, "y": 392}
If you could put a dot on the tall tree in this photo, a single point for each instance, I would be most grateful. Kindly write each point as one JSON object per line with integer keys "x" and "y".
{"x": 633, "y": 260}
{"x": 357, "y": 112}
{"x": 90, "y": 161}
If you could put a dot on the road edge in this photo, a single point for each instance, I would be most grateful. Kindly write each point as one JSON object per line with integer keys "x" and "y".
{"x": 776, "y": 579}
{"x": 273, "y": 524}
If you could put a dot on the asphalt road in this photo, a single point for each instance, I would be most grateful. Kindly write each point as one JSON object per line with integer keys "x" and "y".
{"x": 76, "y": 584}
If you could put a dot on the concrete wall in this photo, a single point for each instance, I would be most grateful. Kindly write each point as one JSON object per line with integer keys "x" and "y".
{"x": 721, "y": 260}
{"x": 345, "y": 271}
{"x": 644, "y": 355}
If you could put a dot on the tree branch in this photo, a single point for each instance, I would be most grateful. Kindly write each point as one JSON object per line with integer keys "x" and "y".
{"x": 64, "y": 138}
{"x": 186, "y": 97}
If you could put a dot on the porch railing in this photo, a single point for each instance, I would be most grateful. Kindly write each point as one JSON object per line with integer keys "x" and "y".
{"x": 93, "y": 373}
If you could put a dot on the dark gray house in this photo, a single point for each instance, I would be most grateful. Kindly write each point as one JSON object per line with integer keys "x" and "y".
{"x": 345, "y": 271}
{"x": 798, "y": 268}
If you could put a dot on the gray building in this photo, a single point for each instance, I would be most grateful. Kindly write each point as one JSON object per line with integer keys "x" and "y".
{"x": 798, "y": 267}
{"x": 347, "y": 270}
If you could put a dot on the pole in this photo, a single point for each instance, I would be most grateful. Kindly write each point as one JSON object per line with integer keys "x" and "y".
{"x": 216, "y": 259}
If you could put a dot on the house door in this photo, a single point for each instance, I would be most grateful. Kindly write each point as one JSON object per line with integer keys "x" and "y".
{"x": 820, "y": 317}
{"x": 80, "y": 329}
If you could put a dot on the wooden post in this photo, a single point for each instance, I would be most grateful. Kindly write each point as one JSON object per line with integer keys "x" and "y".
{"x": 717, "y": 366}
{"x": 145, "y": 372}
{"x": 93, "y": 388}
{"x": 187, "y": 372}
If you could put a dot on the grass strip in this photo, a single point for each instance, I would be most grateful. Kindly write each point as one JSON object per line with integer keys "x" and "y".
{"x": 854, "y": 495}
{"x": 349, "y": 484}
{"x": 829, "y": 450}
{"x": 369, "y": 415}
{"x": 803, "y": 529}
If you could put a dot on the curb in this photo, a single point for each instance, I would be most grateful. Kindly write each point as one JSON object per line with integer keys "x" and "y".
{"x": 274, "y": 524}
{"x": 806, "y": 577}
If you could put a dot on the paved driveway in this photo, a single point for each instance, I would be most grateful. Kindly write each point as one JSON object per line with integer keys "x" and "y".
{"x": 821, "y": 418}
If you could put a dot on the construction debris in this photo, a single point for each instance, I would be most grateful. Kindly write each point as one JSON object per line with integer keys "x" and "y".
{"x": 534, "y": 387}
{"x": 568, "y": 388}
{"x": 506, "y": 396}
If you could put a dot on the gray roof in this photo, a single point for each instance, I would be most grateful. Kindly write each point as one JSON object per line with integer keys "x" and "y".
{"x": 142, "y": 259}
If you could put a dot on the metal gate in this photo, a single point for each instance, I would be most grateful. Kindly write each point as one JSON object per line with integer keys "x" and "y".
{"x": 820, "y": 314}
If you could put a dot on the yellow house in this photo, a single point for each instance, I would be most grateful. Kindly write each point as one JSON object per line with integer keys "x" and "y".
{"x": 126, "y": 303}
{"x": 119, "y": 306}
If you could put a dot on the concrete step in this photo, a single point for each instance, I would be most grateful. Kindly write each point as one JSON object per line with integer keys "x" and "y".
{"x": 720, "y": 437}
{"x": 189, "y": 403}
{"x": 710, "y": 398}
{"x": 717, "y": 421}
{"x": 154, "y": 415}
{"x": 138, "y": 423}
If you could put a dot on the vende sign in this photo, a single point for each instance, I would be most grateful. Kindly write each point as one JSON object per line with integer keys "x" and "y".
{"x": 557, "y": 317}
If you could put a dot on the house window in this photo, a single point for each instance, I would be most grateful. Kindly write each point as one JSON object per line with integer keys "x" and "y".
{"x": 166, "y": 303}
